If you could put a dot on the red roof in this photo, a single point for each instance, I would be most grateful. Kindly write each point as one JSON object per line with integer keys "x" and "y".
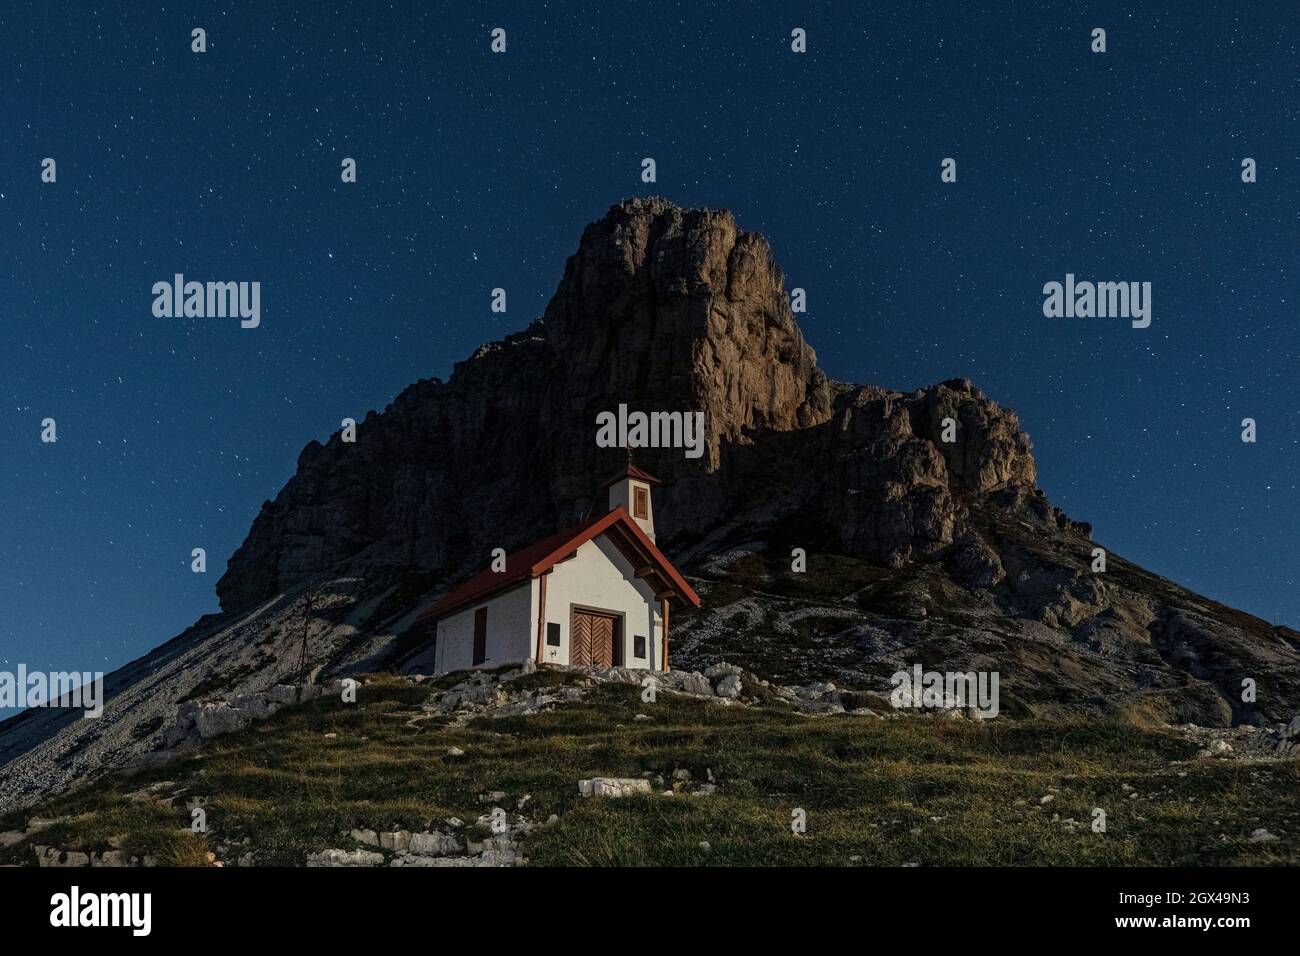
{"x": 540, "y": 557}
{"x": 631, "y": 471}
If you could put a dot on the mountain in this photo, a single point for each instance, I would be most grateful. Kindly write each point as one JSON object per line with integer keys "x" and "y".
{"x": 919, "y": 550}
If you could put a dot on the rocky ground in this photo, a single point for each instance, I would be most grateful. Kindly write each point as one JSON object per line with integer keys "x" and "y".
{"x": 504, "y": 826}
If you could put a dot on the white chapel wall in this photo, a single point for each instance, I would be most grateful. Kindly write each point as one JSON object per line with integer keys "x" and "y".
{"x": 601, "y": 579}
{"x": 511, "y": 619}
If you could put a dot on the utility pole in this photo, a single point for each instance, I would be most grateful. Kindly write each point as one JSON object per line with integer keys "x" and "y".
{"x": 301, "y": 670}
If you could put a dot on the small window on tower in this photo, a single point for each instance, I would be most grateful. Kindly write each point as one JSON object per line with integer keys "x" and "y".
{"x": 638, "y": 646}
{"x": 552, "y": 634}
{"x": 640, "y": 502}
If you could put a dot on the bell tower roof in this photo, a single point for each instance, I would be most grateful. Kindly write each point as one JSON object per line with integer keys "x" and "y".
{"x": 631, "y": 471}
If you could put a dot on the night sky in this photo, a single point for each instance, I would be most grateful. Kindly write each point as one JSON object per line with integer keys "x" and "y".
{"x": 478, "y": 170}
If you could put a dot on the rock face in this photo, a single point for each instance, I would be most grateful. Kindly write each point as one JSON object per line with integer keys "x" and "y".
{"x": 661, "y": 308}
{"x": 894, "y": 485}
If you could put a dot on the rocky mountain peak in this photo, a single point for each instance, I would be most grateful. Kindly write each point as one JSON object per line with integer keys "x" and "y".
{"x": 660, "y": 309}
{"x": 681, "y": 308}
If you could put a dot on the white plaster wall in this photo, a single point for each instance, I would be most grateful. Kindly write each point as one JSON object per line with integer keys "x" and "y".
{"x": 620, "y": 493}
{"x": 599, "y": 578}
{"x": 511, "y": 623}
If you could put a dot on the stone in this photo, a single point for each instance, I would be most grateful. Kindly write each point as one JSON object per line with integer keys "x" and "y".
{"x": 284, "y": 694}
{"x": 729, "y": 686}
{"x": 1261, "y": 835}
{"x": 721, "y": 669}
{"x": 216, "y": 719}
{"x": 613, "y": 787}
{"x": 434, "y": 844}
{"x": 485, "y": 696}
{"x": 345, "y": 858}
{"x": 1292, "y": 729}
{"x": 368, "y": 837}
{"x": 50, "y": 856}
{"x": 685, "y": 682}
{"x": 255, "y": 706}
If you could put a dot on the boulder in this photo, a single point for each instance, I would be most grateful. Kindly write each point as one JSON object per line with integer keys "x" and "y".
{"x": 213, "y": 720}
{"x": 729, "y": 686}
{"x": 722, "y": 669}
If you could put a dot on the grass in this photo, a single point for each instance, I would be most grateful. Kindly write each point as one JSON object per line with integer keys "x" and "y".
{"x": 912, "y": 790}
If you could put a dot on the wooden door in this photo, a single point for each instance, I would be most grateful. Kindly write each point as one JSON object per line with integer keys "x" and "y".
{"x": 580, "y": 640}
{"x": 592, "y": 639}
{"x": 602, "y": 641}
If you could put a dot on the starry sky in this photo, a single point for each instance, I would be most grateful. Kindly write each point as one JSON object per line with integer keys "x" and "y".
{"x": 478, "y": 170}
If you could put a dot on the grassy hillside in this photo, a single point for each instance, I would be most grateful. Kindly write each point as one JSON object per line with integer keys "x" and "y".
{"x": 876, "y": 792}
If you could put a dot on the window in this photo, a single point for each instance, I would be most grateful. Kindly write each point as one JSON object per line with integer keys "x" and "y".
{"x": 640, "y": 502}
{"x": 480, "y": 636}
{"x": 638, "y": 646}
{"x": 552, "y": 634}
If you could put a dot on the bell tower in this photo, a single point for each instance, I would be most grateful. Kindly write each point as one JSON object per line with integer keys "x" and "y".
{"x": 630, "y": 488}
